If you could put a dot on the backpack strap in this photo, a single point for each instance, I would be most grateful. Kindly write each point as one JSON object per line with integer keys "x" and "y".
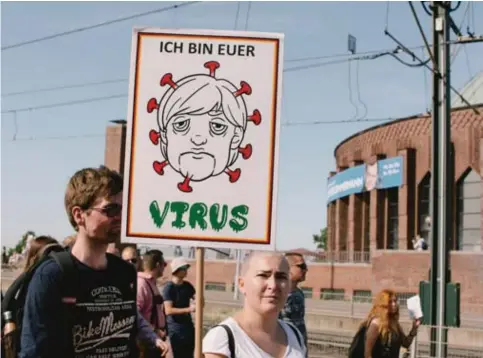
{"x": 296, "y": 332}
{"x": 68, "y": 291}
{"x": 231, "y": 339}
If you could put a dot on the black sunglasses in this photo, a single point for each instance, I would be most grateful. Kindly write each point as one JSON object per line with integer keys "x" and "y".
{"x": 110, "y": 210}
{"x": 302, "y": 266}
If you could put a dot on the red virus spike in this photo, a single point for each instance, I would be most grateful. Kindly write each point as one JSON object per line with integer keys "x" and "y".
{"x": 167, "y": 79}
{"x": 212, "y": 66}
{"x": 244, "y": 89}
{"x": 256, "y": 117}
{"x": 154, "y": 136}
{"x": 185, "y": 185}
{"x": 159, "y": 166}
{"x": 233, "y": 174}
{"x": 246, "y": 151}
{"x": 152, "y": 105}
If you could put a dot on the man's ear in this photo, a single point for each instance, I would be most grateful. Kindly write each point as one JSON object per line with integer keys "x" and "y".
{"x": 77, "y": 215}
{"x": 237, "y": 138}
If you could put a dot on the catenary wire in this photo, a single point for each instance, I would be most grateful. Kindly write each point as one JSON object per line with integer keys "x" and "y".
{"x": 286, "y": 124}
{"x": 103, "y": 98}
{"x": 102, "y": 24}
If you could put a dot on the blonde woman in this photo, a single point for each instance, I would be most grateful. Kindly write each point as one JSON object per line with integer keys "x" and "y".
{"x": 384, "y": 335}
{"x": 256, "y": 331}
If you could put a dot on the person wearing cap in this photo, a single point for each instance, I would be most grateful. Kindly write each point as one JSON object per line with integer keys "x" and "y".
{"x": 178, "y": 295}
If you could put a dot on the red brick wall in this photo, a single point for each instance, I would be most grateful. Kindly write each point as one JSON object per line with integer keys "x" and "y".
{"x": 398, "y": 270}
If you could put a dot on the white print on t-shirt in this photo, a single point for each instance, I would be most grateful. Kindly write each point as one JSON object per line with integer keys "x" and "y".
{"x": 86, "y": 338}
{"x": 105, "y": 290}
{"x": 216, "y": 342}
{"x": 104, "y": 324}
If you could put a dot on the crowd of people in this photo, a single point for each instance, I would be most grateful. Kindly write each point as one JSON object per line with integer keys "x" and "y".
{"x": 84, "y": 298}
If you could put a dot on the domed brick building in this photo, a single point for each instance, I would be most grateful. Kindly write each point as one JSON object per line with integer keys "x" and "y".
{"x": 379, "y": 196}
{"x": 379, "y": 202}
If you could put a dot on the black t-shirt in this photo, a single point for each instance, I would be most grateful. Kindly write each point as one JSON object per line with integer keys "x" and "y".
{"x": 180, "y": 296}
{"x": 97, "y": 321}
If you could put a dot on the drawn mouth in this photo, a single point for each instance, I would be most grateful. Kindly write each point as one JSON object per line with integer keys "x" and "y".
{"x": 198, "y": 154}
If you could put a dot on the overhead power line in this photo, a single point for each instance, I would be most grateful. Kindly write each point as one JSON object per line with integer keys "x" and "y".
{"x": 350, "y": 57}
{"x": 63, "y": 104}
{"x": 287, "y": 124}
{"x": 56, "y": 88}
{"x": 102, "y": 24}
{"x": 104, "y": 98}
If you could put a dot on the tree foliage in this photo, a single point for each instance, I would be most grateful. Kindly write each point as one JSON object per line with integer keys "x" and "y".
{"x": 320, "y": 239}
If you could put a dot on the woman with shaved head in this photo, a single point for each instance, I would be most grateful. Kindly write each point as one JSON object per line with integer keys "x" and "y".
{"x": 256, "y": 331}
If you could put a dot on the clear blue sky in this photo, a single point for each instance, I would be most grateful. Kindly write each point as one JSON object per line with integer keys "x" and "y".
{"x": 34, "y": 172}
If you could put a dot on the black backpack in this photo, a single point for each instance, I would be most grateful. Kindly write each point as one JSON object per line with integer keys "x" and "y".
{"x": 356, "y": 349}
{"x": 231, "y": 337}
{"x": 14, "y": 299}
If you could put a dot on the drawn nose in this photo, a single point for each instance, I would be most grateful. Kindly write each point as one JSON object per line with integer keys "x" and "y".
{"x": 198, "y": 140}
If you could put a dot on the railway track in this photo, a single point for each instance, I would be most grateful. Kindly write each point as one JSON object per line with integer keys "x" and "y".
{"x": 330, "y": 344}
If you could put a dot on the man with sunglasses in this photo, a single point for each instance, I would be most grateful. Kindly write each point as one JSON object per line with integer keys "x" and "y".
{"x": 82, "y": 303}
{"x": 294, "y": 310}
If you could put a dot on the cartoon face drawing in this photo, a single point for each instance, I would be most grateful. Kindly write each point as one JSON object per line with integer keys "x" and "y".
{"x": 202, "y": 122}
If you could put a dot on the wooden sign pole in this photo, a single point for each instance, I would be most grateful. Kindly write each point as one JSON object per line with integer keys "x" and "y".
{"x": 200, "y": 293}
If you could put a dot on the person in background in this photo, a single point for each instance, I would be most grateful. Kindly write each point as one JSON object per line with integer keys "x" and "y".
{"x": 149, "y": 300}
{"x": 294, "y": 309}
{"x": 130, "y": 255}
{"x": 256, "y": 330}
{"x": 36, "y": 250}
{"x": 69, "y": 242}
{"x": 178, "y": 295}
{"x": 384, "y": 335}
{"x": 147, "y": 337}
{"x": 112, "y": 249}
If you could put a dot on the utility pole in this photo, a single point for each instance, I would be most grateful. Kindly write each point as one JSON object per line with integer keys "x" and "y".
{"x": 442, "y": 181}
{"x": 236, "y": 291}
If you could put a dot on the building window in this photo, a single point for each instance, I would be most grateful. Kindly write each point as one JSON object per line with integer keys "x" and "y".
{"x": 424, "y": 198}
{"x": 363, "y": 296}
{"x": 332, "y": 294}
{"x": 468, "y": 212}
{"x": 307, "y": 291}
{"x": 393, "y": 218}
{"x": 215, "y": 286}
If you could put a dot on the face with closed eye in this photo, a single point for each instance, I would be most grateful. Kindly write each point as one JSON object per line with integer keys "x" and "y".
{"x": 265, "y": 282}
{"x": 199, "y": 146}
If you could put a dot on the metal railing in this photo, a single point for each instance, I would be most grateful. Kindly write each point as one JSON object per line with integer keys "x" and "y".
{"x": 340, "y": 257}
{"x": 335, "y": 304}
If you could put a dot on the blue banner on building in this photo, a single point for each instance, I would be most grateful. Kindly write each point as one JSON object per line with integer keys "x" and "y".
{"x": 390, "y": 173}
{"x": 383, "y": 174}
{"x": 348, "y": 182}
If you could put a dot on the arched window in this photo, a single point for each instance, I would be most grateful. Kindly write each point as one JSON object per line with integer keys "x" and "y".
{"x": 468, "y": 212}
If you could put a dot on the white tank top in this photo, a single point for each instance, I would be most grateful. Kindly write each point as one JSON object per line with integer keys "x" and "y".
{"x": 216, "y": 342}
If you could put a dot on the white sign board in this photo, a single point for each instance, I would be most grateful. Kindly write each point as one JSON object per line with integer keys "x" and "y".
{"x": 414, "y": 307}
{"x": 203, "y": 137}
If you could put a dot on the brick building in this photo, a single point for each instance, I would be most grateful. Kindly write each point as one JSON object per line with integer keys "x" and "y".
{"x": 361, "y": 220}
{"x": 371, "y": 225}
